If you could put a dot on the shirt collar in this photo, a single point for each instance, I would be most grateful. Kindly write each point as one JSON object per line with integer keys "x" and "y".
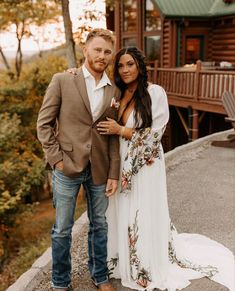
{"x": 103, "y": 81}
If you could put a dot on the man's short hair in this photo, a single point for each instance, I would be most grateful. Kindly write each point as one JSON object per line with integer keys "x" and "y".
{"x": 101, "y": 32}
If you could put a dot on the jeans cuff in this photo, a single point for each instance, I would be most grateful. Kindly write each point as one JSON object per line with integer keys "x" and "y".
{"x": 100, "y": 282}
{"x": 68, "y": 288}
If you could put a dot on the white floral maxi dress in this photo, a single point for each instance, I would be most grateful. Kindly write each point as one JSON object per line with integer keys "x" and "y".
{"x": 144, "y": 249}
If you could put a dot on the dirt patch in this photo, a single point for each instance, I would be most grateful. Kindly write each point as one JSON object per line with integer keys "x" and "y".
{"x": 30, "y": 237}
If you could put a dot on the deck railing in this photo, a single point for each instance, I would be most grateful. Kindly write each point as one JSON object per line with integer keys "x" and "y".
{"x": 197, "y": 84}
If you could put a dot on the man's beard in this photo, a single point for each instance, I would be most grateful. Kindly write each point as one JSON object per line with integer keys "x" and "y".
{"x": 96, "y": 67}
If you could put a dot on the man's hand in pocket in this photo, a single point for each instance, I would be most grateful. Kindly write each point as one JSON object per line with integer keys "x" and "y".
{"x": 59, "y": 166}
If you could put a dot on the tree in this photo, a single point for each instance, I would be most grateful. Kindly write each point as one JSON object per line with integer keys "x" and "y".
{"x": 92, "y": 13}
{"x": 4, "y": 59}
{"x": 71, "y": 53}
{"x": 20, "y": 14}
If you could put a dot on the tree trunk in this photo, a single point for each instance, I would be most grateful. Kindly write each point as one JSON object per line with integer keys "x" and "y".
{"x": 4, "y": 59}
{"x": 19, "y": 55}
{"x": 18, "y": 59}
{"x": 71, "y": 53}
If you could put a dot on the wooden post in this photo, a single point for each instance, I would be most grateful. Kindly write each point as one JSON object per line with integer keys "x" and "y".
{"x": 139, "y": 24}
{"x": 197, "y": 79}
{"x": 193, "y": 124}
{"x": 155, "y": 71}
{"x": 117, "y": 24}
{"x": 190, "y": 123}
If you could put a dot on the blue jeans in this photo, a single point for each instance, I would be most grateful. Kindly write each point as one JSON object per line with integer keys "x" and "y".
{"x": 65, "y": 191}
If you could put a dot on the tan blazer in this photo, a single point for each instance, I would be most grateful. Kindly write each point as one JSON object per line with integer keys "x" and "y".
{"x": 67, "y": 132}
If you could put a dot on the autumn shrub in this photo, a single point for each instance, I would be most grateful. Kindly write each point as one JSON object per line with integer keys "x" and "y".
{"x": 38, "y": 74}
{"x": 22, "y": 169}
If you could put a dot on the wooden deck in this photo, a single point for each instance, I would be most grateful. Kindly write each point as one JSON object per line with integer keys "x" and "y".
{"x": 199, "y": 88}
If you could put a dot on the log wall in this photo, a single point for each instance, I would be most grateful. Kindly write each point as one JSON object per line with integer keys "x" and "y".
{"x": 223, "y": 41}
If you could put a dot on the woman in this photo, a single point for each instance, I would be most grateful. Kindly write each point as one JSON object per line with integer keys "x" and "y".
{"x": 144, "y": 248}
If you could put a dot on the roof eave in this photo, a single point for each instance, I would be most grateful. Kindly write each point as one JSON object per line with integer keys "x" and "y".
{"x": 198, "y": 16}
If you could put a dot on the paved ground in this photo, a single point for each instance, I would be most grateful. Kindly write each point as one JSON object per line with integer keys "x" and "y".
{"x": 201, "y": 194}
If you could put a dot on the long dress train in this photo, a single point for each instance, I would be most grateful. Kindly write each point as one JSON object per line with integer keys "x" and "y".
{"x": 144, "y": 249}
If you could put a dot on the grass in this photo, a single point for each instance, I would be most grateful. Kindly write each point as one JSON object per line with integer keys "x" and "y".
{"x": 30, "y": 238}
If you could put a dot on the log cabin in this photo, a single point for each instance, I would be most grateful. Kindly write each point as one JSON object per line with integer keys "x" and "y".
{"x": 190, "y": 48}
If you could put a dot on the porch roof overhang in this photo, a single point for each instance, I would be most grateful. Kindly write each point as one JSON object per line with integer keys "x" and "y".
{"x": 192, "y": 8}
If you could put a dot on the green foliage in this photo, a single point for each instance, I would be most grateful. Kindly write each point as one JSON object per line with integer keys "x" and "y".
{"x": 22, "y": 15}
{"x": 9, "y": 132}
{"x": 24, "y": 97}
{"x": 27, "y": 12}
{"x": 22, "y": 169}
{"x": 38, "y": 74}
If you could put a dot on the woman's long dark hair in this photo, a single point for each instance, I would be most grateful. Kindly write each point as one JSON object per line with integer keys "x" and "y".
{"x": 141, "y": 95}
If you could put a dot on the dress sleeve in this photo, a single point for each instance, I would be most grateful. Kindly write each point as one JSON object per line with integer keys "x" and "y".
{"x": 160, "y": 109}
{"x": 145, "y": 144}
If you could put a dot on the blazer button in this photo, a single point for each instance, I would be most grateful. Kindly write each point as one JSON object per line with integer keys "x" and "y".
{"x": 88, "y": 146}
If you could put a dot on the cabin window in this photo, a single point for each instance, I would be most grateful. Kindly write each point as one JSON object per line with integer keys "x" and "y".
{"x": 131, "y": 41}
{"x": 153, "y": 47}
{"x": 140, "y": 25}
{"x": 152, "y": 16}
{"x": 129, "y": 15}
{"x": 152, "y": 26}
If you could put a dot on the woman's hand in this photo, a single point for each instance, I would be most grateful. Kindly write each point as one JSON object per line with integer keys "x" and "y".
{"x": 109, "y": 127}
{"x": 72, "y": 71}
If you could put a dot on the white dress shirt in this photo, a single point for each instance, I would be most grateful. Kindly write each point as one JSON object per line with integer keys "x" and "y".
{"x": 95, "y": 92}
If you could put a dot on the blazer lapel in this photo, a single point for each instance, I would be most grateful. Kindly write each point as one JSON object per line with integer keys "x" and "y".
{"x": 81, "y": 87}
{"x": 107, "y": 99}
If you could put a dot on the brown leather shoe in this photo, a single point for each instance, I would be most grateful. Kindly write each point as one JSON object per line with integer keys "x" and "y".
{"x": 106, "y": 287}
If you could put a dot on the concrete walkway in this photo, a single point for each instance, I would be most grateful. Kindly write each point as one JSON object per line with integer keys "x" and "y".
{"x": 201, "y": 195}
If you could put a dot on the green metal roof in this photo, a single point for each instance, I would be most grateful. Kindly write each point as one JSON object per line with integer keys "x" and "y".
{"x": 221, "y": 8}
{"x": 195, "y": 8}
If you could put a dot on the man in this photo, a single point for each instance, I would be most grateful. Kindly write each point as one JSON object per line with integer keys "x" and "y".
{"x": 79, "y": 155}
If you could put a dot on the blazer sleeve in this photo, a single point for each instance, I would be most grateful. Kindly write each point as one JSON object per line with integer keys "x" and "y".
{"x": 47, "y": 121}
{"x": 114, "y": 152}
{"x": 114, "y": 168}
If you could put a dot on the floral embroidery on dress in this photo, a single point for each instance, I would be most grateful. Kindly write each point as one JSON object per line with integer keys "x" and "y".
{"x": 143, "y": 149}
{"x": 208, "y": 271}
{"x": 139, "y": 274}
{"x": 112, "y": 264}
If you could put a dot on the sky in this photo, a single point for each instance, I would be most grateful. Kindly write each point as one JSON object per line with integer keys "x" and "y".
{"x": 53, "y": 32}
